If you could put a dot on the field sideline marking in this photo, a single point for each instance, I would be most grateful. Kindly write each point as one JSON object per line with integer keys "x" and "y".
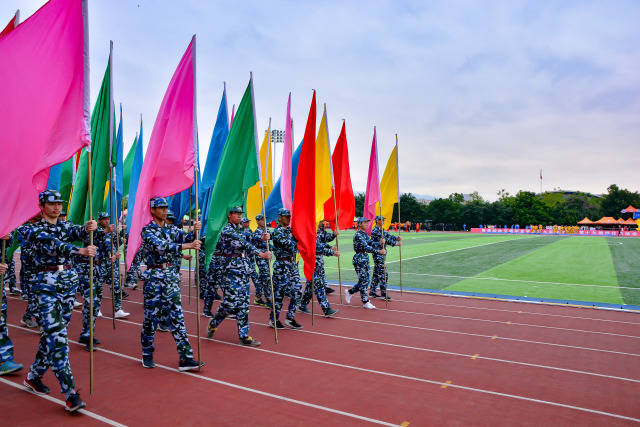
{"x": 408, "y": 347}
{"x": 460, "y": 249}
{"x": 348, "y": 414}
{"x": 60, "y": 402}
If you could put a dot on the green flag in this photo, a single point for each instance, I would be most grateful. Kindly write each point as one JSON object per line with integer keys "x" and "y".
{"x": 67, "y": 175}
{"x": 237, "y": 172}
{"x": 100, "y": 150}
{"x": 128, "y": 165}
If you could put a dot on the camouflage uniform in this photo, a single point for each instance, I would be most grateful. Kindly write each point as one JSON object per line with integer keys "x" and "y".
{"x": 380, "y": 275}
{"x": 262, "y": 280}
{"x": 133, "y": 273}
{"x": 28, "y": 272}
{"x": 362, "y": 245}
{"x": 10, "y": 275}
{"x": 103, "y": 242}
{"x": 55, "y": 292}
{"x": 161, "y": 287}
{"x": 286, "y": 277}
{"x": 319, "y": 278}
{"x": 6, "y": 346}
{"x": 234, "y": 250}
{"x": 214, "y": 279}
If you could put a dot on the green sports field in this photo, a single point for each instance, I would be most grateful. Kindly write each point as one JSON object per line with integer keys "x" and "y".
{"x": 598, "y": 269}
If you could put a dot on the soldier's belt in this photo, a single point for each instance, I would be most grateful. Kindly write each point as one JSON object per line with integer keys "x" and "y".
{"x": 54, "y": 268}
{"x": 363, "y": 252}
{"x": 285, "y": 258}
{"x": 242, "y": 255}
{"x": 164, "y": 265}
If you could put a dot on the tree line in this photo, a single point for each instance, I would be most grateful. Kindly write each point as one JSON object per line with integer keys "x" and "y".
{"x": 523, "y": 208}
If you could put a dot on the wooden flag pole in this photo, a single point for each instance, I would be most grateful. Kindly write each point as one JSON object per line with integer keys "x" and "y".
{"x": 384, "y": 261}
{"x": 264, "y": 212}
{"x": 90, "y": 194}
{"x": 337, "y": 215}
{"x": 190, "y": 220}
{"x": 196, "y": 151}
{"x": 4, "y": 249}
{"x": 398, "y": 181}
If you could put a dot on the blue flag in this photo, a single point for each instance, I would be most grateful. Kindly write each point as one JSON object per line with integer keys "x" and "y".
{"x": 54, "y": 177}
{"x": 218, "y": 140}
{"x": 118, "y": 177}
{"x": 274, "y": 201}
{"x": 135, "y": 177}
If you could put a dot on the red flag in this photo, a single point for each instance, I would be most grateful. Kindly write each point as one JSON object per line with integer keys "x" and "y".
{"x": 345, "y": 201}
{"x": 11, "y": 25}
{"x": 303, "y": 213}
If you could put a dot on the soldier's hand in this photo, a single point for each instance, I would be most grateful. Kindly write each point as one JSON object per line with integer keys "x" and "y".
{"x": 382, "y": 251}
{"x": 114, "y": 257}
{"x": 265, "y": 255}
{"x": 382, "y": 241}
{"x": 197, "y": 225}
{"x": 7, "y": 237}
{"x": 334, "y": 247}
{"x": 196, "y": 244}
{"x": 187, "y": 257}
{"x": 399, "y": 244}
{"x": 88, "y": 251}
{"x": 336, "y": 233}
{"x": 266, "y": 236}
{"x": 336, "y": 253}
{"x": 3, "y": 268}
{"x": 399, "y": 238}
{"x": 91, "y": 225}
{"x": 112, "y": 228}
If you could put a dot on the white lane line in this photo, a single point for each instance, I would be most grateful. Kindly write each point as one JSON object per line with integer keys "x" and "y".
{"x": 460, "y": 249}
{"x": 236, "y": 386}
{"x": 500, "y": 279}
{"x": 348, "y": 414}
{"x": 502, "y": 322}
{"x": 427, "y": 349}
{"x": 61, "y": 403}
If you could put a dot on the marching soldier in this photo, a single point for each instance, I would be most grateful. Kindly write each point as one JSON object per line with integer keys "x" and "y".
{"x": 133, "y": 273}
{"x": 363, "y": 246}
{"x": 161, "y": 290}
{"x": 327, "y": 236}
{"x": 381, "y": 238}
{"x": 319, "y": 278}
{"x": 112, "y": 264}
{"x": 263, "y": 280}
{"x": 234, "y": 249}
{"x": 28, "y": 273}
{"x": 55, "y": 292}
{"x": 248, "y": 235}
{"x": 286, "y": 277}
{"x": 7, "y": 365}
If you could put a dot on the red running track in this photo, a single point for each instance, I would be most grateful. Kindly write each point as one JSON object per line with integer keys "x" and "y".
{"x": 424, "y": 360}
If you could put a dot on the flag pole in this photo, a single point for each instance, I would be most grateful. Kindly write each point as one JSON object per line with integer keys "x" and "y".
{"x": 111, "y": 189}
{"x": 90, "y": 193}
{"x": 191, "y": 221}
{"x": 264, "y": 211}
{"x": 195, "y": 183}
{"x": 335, "y": 208}
{"x": 398, "y": 181}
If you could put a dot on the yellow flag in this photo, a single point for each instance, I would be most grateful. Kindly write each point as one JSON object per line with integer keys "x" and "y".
{"x": 323, "y": 167}
{"x": 254, "y": 198}
{"x": 389, "y": 188}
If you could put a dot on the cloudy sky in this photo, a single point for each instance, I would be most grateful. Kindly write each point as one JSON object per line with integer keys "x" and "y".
{"x": 482, "y": 94}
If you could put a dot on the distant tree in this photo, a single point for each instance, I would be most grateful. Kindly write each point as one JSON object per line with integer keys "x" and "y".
{"x": 530, "y": 209}
{"x": 444, "y": 211}
{"x": 474, "y": 213}
{"x": 617, "y": 199}
{"x": 573, "y": 208}
{"x": 359, "y": 203}
{"x": 410, "y": 209}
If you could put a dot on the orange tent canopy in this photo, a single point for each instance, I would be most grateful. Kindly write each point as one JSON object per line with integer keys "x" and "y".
{"x": 606, "y": 220}
{"x": 629, "y": 209}
{"x": 585, "y": 221}
{"x": 630, "y": 222}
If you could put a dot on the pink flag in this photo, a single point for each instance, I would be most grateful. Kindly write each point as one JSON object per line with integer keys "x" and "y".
{"x": 373, "y": 182}
{"x": 168, "y": 166}
{"x": 285, "y": 173}
{"x": 44, "y": 108}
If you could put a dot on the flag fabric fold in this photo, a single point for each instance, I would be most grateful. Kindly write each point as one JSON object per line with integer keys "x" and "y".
{"x": 218, "y": 140}
{"x": 285, "y": 171}
{"x": 117, "y": 178}
{"x": 389, "y": 187}
{"x": 47, "y": 51}
{"x": 345, "y": 200}
{"x": 303, "y": 212}
{"x": 168, "y": 167}
{"x": 134, "y": 177}
{"x": 101, "y": 134}
{"x": 127, "y": 166}
{"x": 254, "y": 194}
{"x": 274, "y": 201}
{"x": 237, "y": 172}
{"x": 372, "y": 195}
{"x": 324, "y": 182}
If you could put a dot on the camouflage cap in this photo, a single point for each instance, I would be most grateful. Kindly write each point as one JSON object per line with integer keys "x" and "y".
{"x": 284, "y": 212}
{"x": 362, "y": 219}
{"x": 170, "y": 215}
{"x": 245, "y": 219}
{"x": 50, "y": 196}
{"x": 259, "y": 217}
{"x": 236, "y": 209}
{"x": 104, "y": 215}
{"x": 159, "y": 202}
{"x": 379, "y": 217}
